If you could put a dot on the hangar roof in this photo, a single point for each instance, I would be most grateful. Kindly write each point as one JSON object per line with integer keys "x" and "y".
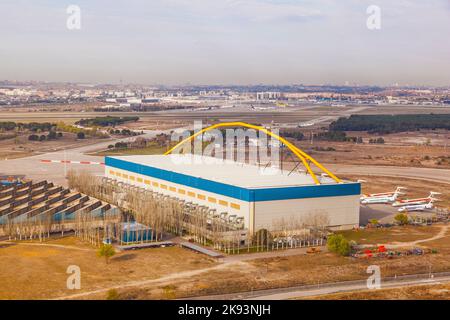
{"x": 228, "y": 172}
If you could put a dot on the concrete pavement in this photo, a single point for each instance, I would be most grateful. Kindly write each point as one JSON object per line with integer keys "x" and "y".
{"x": 349, "y": 288}
{"x": 430, "y": 174}
{"x": 32, "y": 168}
{"x": 329, "y": 288}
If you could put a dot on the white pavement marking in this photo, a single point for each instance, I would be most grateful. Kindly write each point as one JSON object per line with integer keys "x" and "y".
{"x": 72, "y": 162}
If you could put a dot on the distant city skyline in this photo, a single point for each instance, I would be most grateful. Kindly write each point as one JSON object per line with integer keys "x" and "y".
{"x": 175, "y": 42}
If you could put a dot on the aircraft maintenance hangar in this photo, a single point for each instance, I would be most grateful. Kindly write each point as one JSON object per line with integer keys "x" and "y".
{"x": 258, "y": 195}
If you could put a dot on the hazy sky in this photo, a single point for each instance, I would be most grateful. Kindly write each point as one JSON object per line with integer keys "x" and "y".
{"x": 225, "y": 42}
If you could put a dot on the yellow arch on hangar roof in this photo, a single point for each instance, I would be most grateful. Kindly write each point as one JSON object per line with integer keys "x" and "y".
{"x": 295, "y": 150}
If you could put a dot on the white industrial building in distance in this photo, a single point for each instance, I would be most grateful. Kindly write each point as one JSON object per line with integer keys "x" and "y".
{"x": 255, "y": 193}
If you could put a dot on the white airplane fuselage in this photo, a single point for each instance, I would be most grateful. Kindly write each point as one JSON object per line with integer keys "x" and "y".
{"x": 382, "y": 194}
{"x": 385, "y": 199}
{"x": 417, "y": 207}
{"x": 402, "y": 203}
{"x": 407, "y": 202}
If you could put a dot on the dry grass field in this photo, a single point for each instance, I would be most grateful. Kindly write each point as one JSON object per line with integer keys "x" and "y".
{"x": 287, "y": 271}
{"x": 428, "y": 292}
{"x": 299, "y": 270}
{"x": 395, "y": 234}
{"x": 36, "y": 271}
{"x": 427, "y": 149}
{"x": 20, "y": 146}
{"x": 31, "y": 112}
{"x": 31, "y": 270}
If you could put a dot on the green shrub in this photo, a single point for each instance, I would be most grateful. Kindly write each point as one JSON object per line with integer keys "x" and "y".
{"x": 33, "y": 137}
{"x": 401, "y": 219}
{"x": 106, "y": 251}
{"x": 338, "y": 244}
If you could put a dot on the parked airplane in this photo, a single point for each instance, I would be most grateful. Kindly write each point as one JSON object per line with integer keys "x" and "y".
{"x": 406, "y": 202}
{"x": 381, "y": 199}
{"x": 306, "y": 124}
{"x": 418, "y": 207}
{"x": 384, "y": 194}
{"x": 261, "y": 108}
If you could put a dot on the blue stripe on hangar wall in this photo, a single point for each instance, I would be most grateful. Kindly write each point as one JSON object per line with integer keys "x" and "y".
{"x": 244, "y": 194}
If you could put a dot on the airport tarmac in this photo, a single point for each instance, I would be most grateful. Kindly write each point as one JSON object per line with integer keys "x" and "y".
{"x": 33, "y": 168}
{"x": 429, "y": 174}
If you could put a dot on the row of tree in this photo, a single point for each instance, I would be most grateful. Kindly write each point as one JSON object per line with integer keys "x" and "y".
{"x": 294, "y": 134}
{"x": 159, "y": 212}
{"x": 379, "y": 140}
{"x": 87, "y": 224}
{"x": 80, "y": 132}
{"x": 32, "y": 126}
{"x": 162, "y": 213}
{"x": 52, "y": 135}
{"x": 336, "y": 136}
{"x": 124, "y": 132}
{"x": 324, "y": 136}
{"x": 105, "y": 121}
{"x": 384, "y": 124}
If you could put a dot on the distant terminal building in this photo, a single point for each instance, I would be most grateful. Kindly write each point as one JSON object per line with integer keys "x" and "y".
{"x": 267, "y": 96}
{"x": 259, "y": 197}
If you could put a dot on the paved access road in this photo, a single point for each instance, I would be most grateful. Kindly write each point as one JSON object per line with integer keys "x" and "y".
{"x": 328, "y": 288}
